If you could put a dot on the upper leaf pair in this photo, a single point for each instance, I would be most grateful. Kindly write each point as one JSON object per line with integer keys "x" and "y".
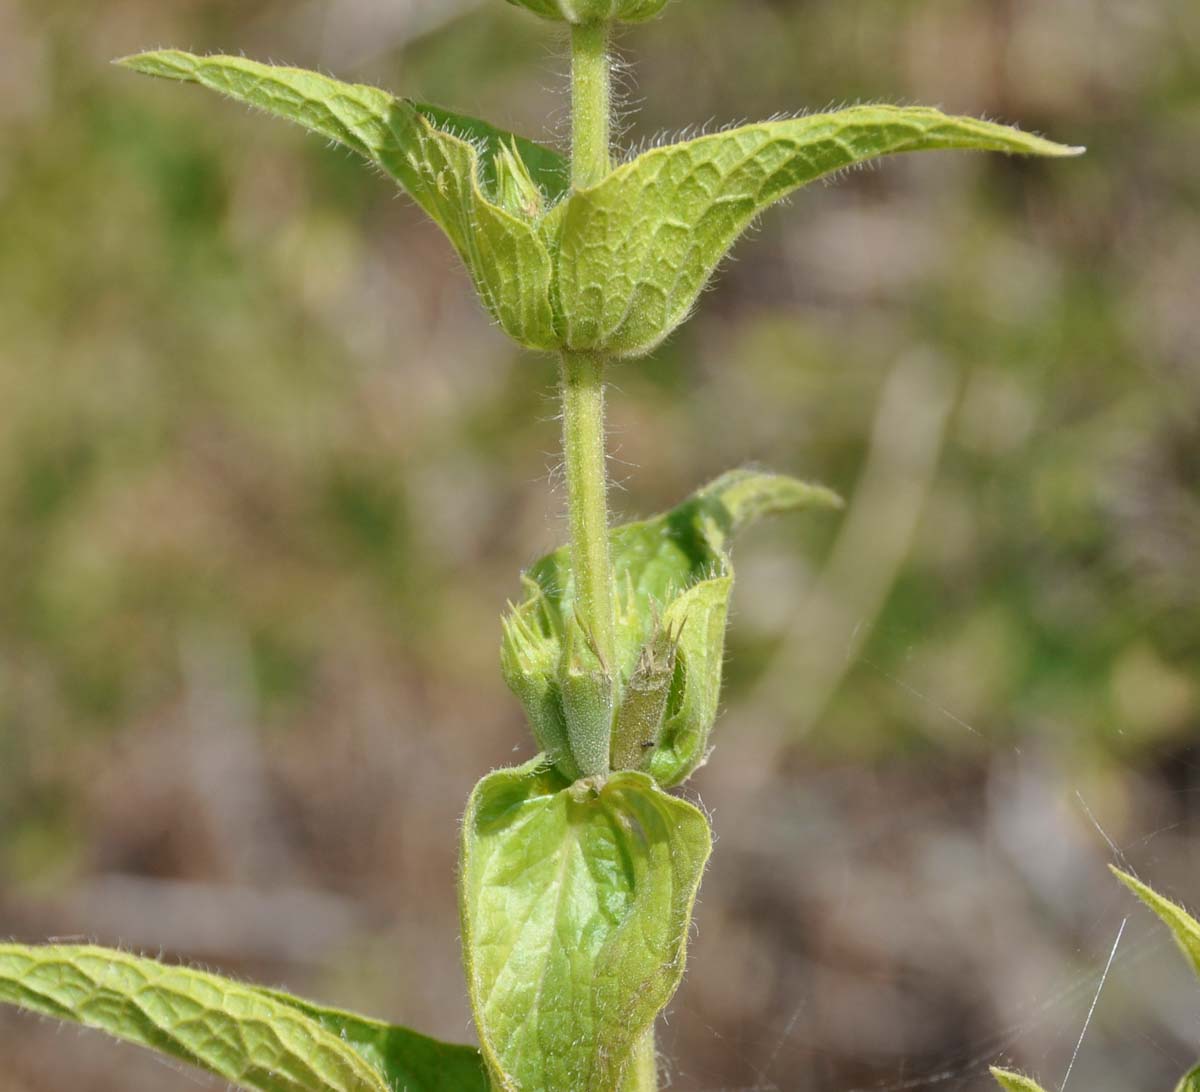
{"x": 674, "y": 580}
{"x": 612, "y": 269}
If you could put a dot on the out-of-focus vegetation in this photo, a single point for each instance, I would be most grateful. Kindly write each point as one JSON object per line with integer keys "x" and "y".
{"x": 267, "y": 476}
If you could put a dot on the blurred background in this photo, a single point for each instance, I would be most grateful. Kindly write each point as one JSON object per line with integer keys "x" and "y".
{"x": 268, "y": 474}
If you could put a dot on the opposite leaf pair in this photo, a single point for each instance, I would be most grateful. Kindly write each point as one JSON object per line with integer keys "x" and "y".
{"x": 674, "y": 580}
{"x": 576, "y": 897}
{"x": 611, "y": 269}
{"x": 577, "y": 894}
{"x": 579, "y": 871}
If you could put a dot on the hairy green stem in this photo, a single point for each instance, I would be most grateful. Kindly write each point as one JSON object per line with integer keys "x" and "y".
{"x": 591, "y": 104}
{"x": 587, "y": 492}
{"x": 583, "y": 415}
{"x": 583, "y": 373}
{"x": 643, "y": 1070}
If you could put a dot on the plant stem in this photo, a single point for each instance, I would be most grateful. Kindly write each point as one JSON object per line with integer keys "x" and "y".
{"x": 591, "y": 104}
{"x": 643, "y": 1069}
{"x": 583, "y": 415}
{"x": 583, "y": 373}
{"x": 587, "y": 492}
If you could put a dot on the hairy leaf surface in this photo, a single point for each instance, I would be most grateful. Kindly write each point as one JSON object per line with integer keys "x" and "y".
{"x": 673, "y": 574}
{"x": 446, "y": 162}
{"x": 637, "y": 248}
{"x": 406, "y": 1059}
{"x": 245, "y": 1036}
{"x": 1014, "y": 1082}
{"x": 576, "y": 901}
{"x": 1184, "y": 928}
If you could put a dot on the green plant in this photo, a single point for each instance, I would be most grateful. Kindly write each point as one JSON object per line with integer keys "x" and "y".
{"x": 579, "y": 869}
{"x": 1014, "y": 1082}
{"x": 1186, "y": 931}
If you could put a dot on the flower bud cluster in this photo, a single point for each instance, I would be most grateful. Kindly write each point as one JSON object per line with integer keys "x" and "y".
{"x": 653, "y": 708}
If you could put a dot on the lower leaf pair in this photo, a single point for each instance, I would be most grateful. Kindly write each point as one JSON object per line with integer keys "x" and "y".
{"x": 576, "y": 902}
{"x": 576, "y": 894}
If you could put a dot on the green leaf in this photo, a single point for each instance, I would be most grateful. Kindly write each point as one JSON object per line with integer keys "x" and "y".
{"x": 637, "y": 249}
{"x": 1190, "y": 1083}
{"x": 406, "y": 1059}
{"x": 240, "y": 1034}
{"x": 1183, "y": 926}
{"x": 576, "y": 902}
{"x": 1014, "y": 1082}
{"x": 674, "y": 576}
{"x": 549, "y": 171}
{"x": 449, "y": 164}
{"x": 700, "y": 615}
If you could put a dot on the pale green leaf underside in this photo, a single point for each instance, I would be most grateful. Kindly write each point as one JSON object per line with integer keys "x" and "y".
{"x": 637, "y": 249}
{"x": 1184, "y": 927}
{"x": 442, "y": 160}
{"x": 575, "y": 911}
{"x": 247, "y": 1037}
{"x": 1014, "y": 1082}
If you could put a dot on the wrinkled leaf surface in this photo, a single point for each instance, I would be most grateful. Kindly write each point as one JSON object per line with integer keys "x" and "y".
{"x": 637, "y": 248}
{"x": 406, "y": 1059}
{"x": 446, "y": 162}
{"x": 576, "y": 903}
{"x": 245, "y": 1036}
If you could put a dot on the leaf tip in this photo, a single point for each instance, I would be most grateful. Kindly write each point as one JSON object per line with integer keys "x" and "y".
{"x": 1014, "y": 1082}
{"x": 1053, "y": 149}
{"x": 829, "y": 499}
{"x": 170, "y": 64}
{"x": 1143, "y": 892}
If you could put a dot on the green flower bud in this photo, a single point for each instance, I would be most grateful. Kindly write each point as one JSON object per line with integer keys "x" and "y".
{"x": 594, "y": 11}
{"x": 644, "y": 704}
{"x": 653, "y": 707}
{"x": 516, "y": 190}
{"x": 587, "y": 690}
{"x": 529, "y": 658}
